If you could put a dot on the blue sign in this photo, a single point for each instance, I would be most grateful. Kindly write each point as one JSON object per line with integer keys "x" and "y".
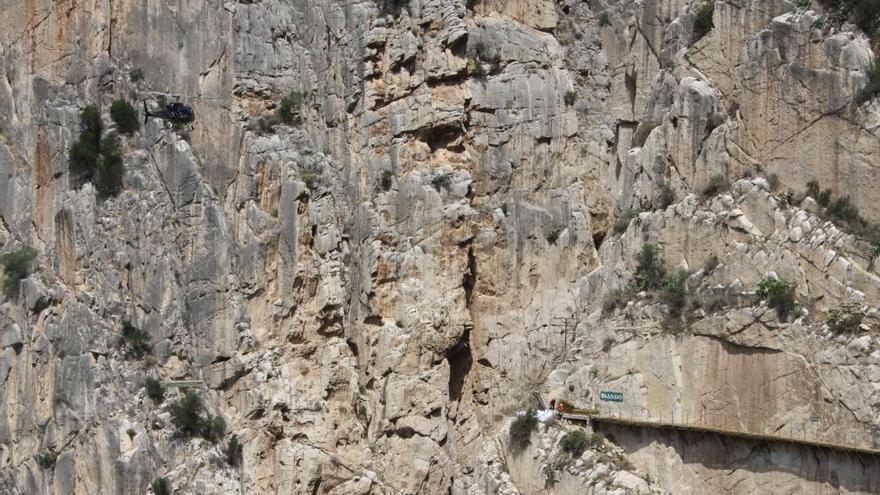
{"x": 611, "y": 396}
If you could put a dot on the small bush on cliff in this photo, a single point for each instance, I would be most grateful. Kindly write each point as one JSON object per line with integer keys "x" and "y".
{"x": 674, "y": 292}
{"x": 717, "y": 184}
{"x": 779, "y": 295}
{"x": 46, "y": 460}
{"x": 845, "y": 320}
{"x": 155, "y": 390}
{"x": 134, "y": 341}
{"x": 125, "y": 117}
{"x": 622, "y": 222}
{"x": 95, "y": 159}
{"x": 190, "y": 419}
{"x": 161, "y": 486}
{"x": 872, "y": 87}
{"x": 574, "y": 443}
{"x": 233, "y": 452}
{"x": 289, "y": 111}
{"x": 84, "y": 152}
{"x": 521, "y": 430}
{"x": 703, "y": 20}
{"x": 16, "y": 266}
{"x": 650, "y": 272}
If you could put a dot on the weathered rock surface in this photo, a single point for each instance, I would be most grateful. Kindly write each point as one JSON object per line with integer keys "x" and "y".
{"x": 367, "y": 295}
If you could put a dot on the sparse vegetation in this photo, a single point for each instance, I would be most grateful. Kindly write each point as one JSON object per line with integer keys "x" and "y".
{"x": 84, "y": 152}
{"x": 570, "y": 98}
{"x": 46, "y": 460}
{"x": 161, "y": 486}
{"x": 190, "y": 418}
{"x": 845, "y": 320}
{"x": 310, "y": 178}
{"x": 779, "y": 295}
{"x": 441, "y": 182}
{"x": 386, "y": 180}
{"x": 16, "y": 266}
{"x": 134, "y": 341}
{"x": 864, "y": 13}
{"x": 521, "y": 430}
{"x": 155, "y": 390}
{"x": 486, "y": 59}
{"x": 717, "y": 184}
{"x": 604, "y": 19}
{"x": 773, "y": 182}
{"x": 131, "y": 433}
{"x": 596, "y": 438}
{"x": 650, "y": 272}
{"x": 553, "y": 235}
{"x": 551, "y": 473}
{"x": 233, "y": 452}
{"x": 622, "y": 221}
{"x": 97, "y": 159}
{"x": 703, "y": 22}
{"x": 666, "y": 196}
{"x": 804, "y": 4}
{"x": 110, "y": 169}
{"x": 289, "y": 110}
{"x": 872, "y": 87}
{"x": 136, "y": 75}
{"x": 574, "y": 443}
{"x": 844, "y": 213}
{"x": 674, "y": 292}
{"x": 125, "y": 117}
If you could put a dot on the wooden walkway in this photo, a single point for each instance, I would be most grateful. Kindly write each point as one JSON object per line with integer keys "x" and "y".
{"x": 595, "y": 416}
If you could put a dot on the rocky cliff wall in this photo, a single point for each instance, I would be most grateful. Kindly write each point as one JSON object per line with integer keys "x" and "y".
{"x": 368, "y": 294}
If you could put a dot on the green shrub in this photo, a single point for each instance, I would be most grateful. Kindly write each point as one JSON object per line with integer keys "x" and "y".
{"x": 186, "y": 414}
{"x": 650, "y": 273}
{"x": 125, "y": 117}
{"x": 189, "y": 417}
{"x": 604, "y": 19}
{"x": 386, "y": 180}
{"x": 703, "y": 22}
{"x": 570, "y": 97}
{"x": 553, "y": 235}
{"x": 779, "y": 294}
{"x": 131, "y": 433}
{"x": 16, "y": 266}
{"x": 310, "y": 179}
{"x": 574, "y": 443}
{"x": 441, "y": 182}
{"x": 842, "y": 210}
{"x": 596, "y": 438}
{"x": 233, "y": 452}
{"x": 521, "y": 430}
{"x": 804, "y": 4}
{"x": 161, "y": 486}
{"x": 674, "y": 292}
{"x": 136, "y": 75}
{"x": 844, "y": 320}
{"x": 96, "y": 159}
{"x": 289, "y": 111}
{"x": 717, "y": 184}
{"x": 155, "y": 390}
{"x": 110, "y": 170}
{"x": 46, "y": 460}
{"x": 134, "y": 341}
{"x": 622, "y": 222}
{"x": 84, "y": 152}
{"x": 773, "y": 182}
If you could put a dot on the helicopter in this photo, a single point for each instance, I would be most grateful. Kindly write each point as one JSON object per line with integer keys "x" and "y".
{"x": 175, "y": 112}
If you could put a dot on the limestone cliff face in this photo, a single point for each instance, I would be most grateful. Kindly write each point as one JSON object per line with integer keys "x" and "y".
{"x": 368, "y": 295}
